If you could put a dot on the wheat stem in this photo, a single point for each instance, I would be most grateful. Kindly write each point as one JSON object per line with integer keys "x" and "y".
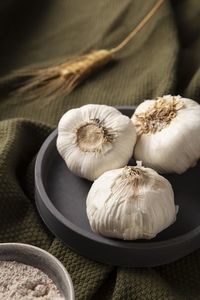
{"x": 60, "y": 80}
{"x": 144, "y": 21}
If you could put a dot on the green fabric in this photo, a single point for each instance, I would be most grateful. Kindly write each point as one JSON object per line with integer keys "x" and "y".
{"x": 163, "y": 58}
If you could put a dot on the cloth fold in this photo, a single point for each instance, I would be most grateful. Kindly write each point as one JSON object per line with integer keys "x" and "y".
{"x": 162, "y": 59}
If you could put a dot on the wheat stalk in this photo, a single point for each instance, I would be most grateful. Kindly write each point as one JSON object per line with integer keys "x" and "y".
{"x": 60, "y": 80}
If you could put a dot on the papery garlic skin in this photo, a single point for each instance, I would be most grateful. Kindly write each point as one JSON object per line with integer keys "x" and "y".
{"x": 174, "y": 145}
{"x": 130, "y": 203}
{"x": 95, "y": 138}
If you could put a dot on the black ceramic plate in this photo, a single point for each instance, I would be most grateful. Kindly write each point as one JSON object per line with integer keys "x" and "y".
{"x": 61, "y": 197}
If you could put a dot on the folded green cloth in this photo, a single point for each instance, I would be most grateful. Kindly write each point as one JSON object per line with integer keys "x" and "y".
{"x": 162, "y": 59}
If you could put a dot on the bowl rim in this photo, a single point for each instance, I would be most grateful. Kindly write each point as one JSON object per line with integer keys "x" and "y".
{"x": 21, "y": 246}
{"x": 91, "y": 236}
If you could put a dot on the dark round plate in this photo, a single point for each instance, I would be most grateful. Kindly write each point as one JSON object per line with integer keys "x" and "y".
{"x": 61, "y": 197}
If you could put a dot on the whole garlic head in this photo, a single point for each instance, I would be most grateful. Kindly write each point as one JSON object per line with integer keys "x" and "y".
{"x": 95, "y": 138}
{"x": 168, "y": 132}
{"x": 130, "y": 203}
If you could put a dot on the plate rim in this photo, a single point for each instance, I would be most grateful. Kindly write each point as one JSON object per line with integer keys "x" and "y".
{"x": 91, "y": 236}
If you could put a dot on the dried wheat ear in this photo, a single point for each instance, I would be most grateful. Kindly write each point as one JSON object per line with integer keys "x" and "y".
{"x": 59, "y": 80}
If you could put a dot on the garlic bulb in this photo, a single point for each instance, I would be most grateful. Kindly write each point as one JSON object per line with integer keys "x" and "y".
{"x": 168, "y": 132}
{"x": 130, "y": 203}
{"x": 95, "y": 138}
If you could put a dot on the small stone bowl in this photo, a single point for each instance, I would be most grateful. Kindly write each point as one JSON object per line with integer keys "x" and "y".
{"x": 41, "y": 259}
